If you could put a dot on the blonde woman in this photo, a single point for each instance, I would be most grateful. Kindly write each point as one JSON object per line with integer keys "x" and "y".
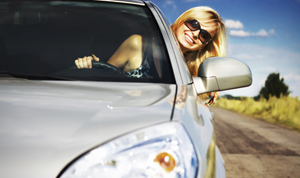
{"x": 200, "y": 32}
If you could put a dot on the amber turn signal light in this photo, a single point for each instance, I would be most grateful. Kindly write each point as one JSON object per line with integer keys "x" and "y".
{"x": 166, "y": 161}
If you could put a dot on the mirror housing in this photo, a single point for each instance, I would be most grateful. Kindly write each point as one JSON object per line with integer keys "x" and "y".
{"x": 222, "y": 73}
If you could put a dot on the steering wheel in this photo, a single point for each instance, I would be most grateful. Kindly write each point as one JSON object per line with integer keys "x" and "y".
{"x": 107, "y": 67}
{"x": 99, "y": 70}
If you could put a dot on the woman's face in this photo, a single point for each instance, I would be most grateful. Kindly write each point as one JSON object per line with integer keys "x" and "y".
{"x": 189, "y": 41}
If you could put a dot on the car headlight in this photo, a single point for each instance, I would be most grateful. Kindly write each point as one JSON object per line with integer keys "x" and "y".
{"x": 163, "y": 150}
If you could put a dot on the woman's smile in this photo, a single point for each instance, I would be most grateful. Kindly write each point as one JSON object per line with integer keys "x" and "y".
{"x": 189, "y": 39}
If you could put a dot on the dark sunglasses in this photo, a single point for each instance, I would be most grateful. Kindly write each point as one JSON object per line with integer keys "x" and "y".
{"x": 194, "y": 25}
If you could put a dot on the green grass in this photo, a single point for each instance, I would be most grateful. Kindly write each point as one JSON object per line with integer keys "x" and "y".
{"x": 283, "y": 111}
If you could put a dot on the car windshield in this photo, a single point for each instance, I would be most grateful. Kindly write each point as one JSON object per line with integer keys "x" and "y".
{"x": 41, "y": 40}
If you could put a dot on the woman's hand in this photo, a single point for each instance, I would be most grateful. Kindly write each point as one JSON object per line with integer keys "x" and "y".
{"x": 86, "y": 61}
{"x": 214, "y": 98}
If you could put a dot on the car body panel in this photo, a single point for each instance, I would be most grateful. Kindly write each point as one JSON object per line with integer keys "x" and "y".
{"x": 53, "y": 122}
{"x": 45, "y": 125}
{"x": 195, "y": 115}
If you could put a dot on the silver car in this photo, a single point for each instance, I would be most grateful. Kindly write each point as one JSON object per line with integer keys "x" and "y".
{"x": 60, "y": 121}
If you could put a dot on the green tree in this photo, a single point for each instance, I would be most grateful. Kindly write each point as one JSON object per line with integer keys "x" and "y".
{"x": 274, "y": 86}
{"x": 230, "y": 97}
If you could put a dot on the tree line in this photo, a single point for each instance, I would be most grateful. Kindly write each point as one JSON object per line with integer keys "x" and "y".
{"x": 274, "y": 86}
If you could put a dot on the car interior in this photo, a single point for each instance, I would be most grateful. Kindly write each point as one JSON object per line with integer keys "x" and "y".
{"x": 45, "y": 38}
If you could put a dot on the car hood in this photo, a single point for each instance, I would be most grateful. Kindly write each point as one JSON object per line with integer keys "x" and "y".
{"x": 46, "y": 124}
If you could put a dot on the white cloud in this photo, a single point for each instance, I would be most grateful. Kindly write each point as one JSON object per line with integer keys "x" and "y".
{"x": 236, "y": 27}
{"x": 233, "y": 24}
{"x": 292, "y": 76}
{"x": 170, "y": 3}
{"x": 272, "y": 32}
{"x": 269, "y": 69}
{"x": 260, "y": 33}
{"x": 266, "y": 56}
{"x": 239, "y": 33}
{"x": 265, "y": 60}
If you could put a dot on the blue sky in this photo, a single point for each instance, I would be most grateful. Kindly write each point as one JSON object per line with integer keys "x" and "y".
{"x": 263, "y": 33}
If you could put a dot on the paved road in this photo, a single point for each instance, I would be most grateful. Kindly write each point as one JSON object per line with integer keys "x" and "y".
{"x": 254, "y": 148}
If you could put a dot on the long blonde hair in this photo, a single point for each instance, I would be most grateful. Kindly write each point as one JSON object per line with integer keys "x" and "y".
{"x": 215, "y": 48}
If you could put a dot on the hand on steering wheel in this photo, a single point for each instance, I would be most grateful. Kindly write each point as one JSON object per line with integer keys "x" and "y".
{"x": 86, "y": 61}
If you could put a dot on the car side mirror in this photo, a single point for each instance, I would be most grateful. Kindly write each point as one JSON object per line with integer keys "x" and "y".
{"x": 222, "y": 73}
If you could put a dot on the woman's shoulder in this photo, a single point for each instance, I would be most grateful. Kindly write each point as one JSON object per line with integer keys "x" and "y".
{"x": 134, "y": 41}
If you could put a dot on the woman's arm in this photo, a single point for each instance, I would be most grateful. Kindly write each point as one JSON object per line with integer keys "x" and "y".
{"x": 128, "y": 56}
{"x": 214, "y": 98}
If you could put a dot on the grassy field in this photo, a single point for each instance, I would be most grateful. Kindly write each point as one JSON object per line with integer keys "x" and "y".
{"x": 283, "y": 111}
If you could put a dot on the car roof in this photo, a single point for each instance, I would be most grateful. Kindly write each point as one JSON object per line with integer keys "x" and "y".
{"x": 125, "y": 1}
{"x": 137, "y": 2}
